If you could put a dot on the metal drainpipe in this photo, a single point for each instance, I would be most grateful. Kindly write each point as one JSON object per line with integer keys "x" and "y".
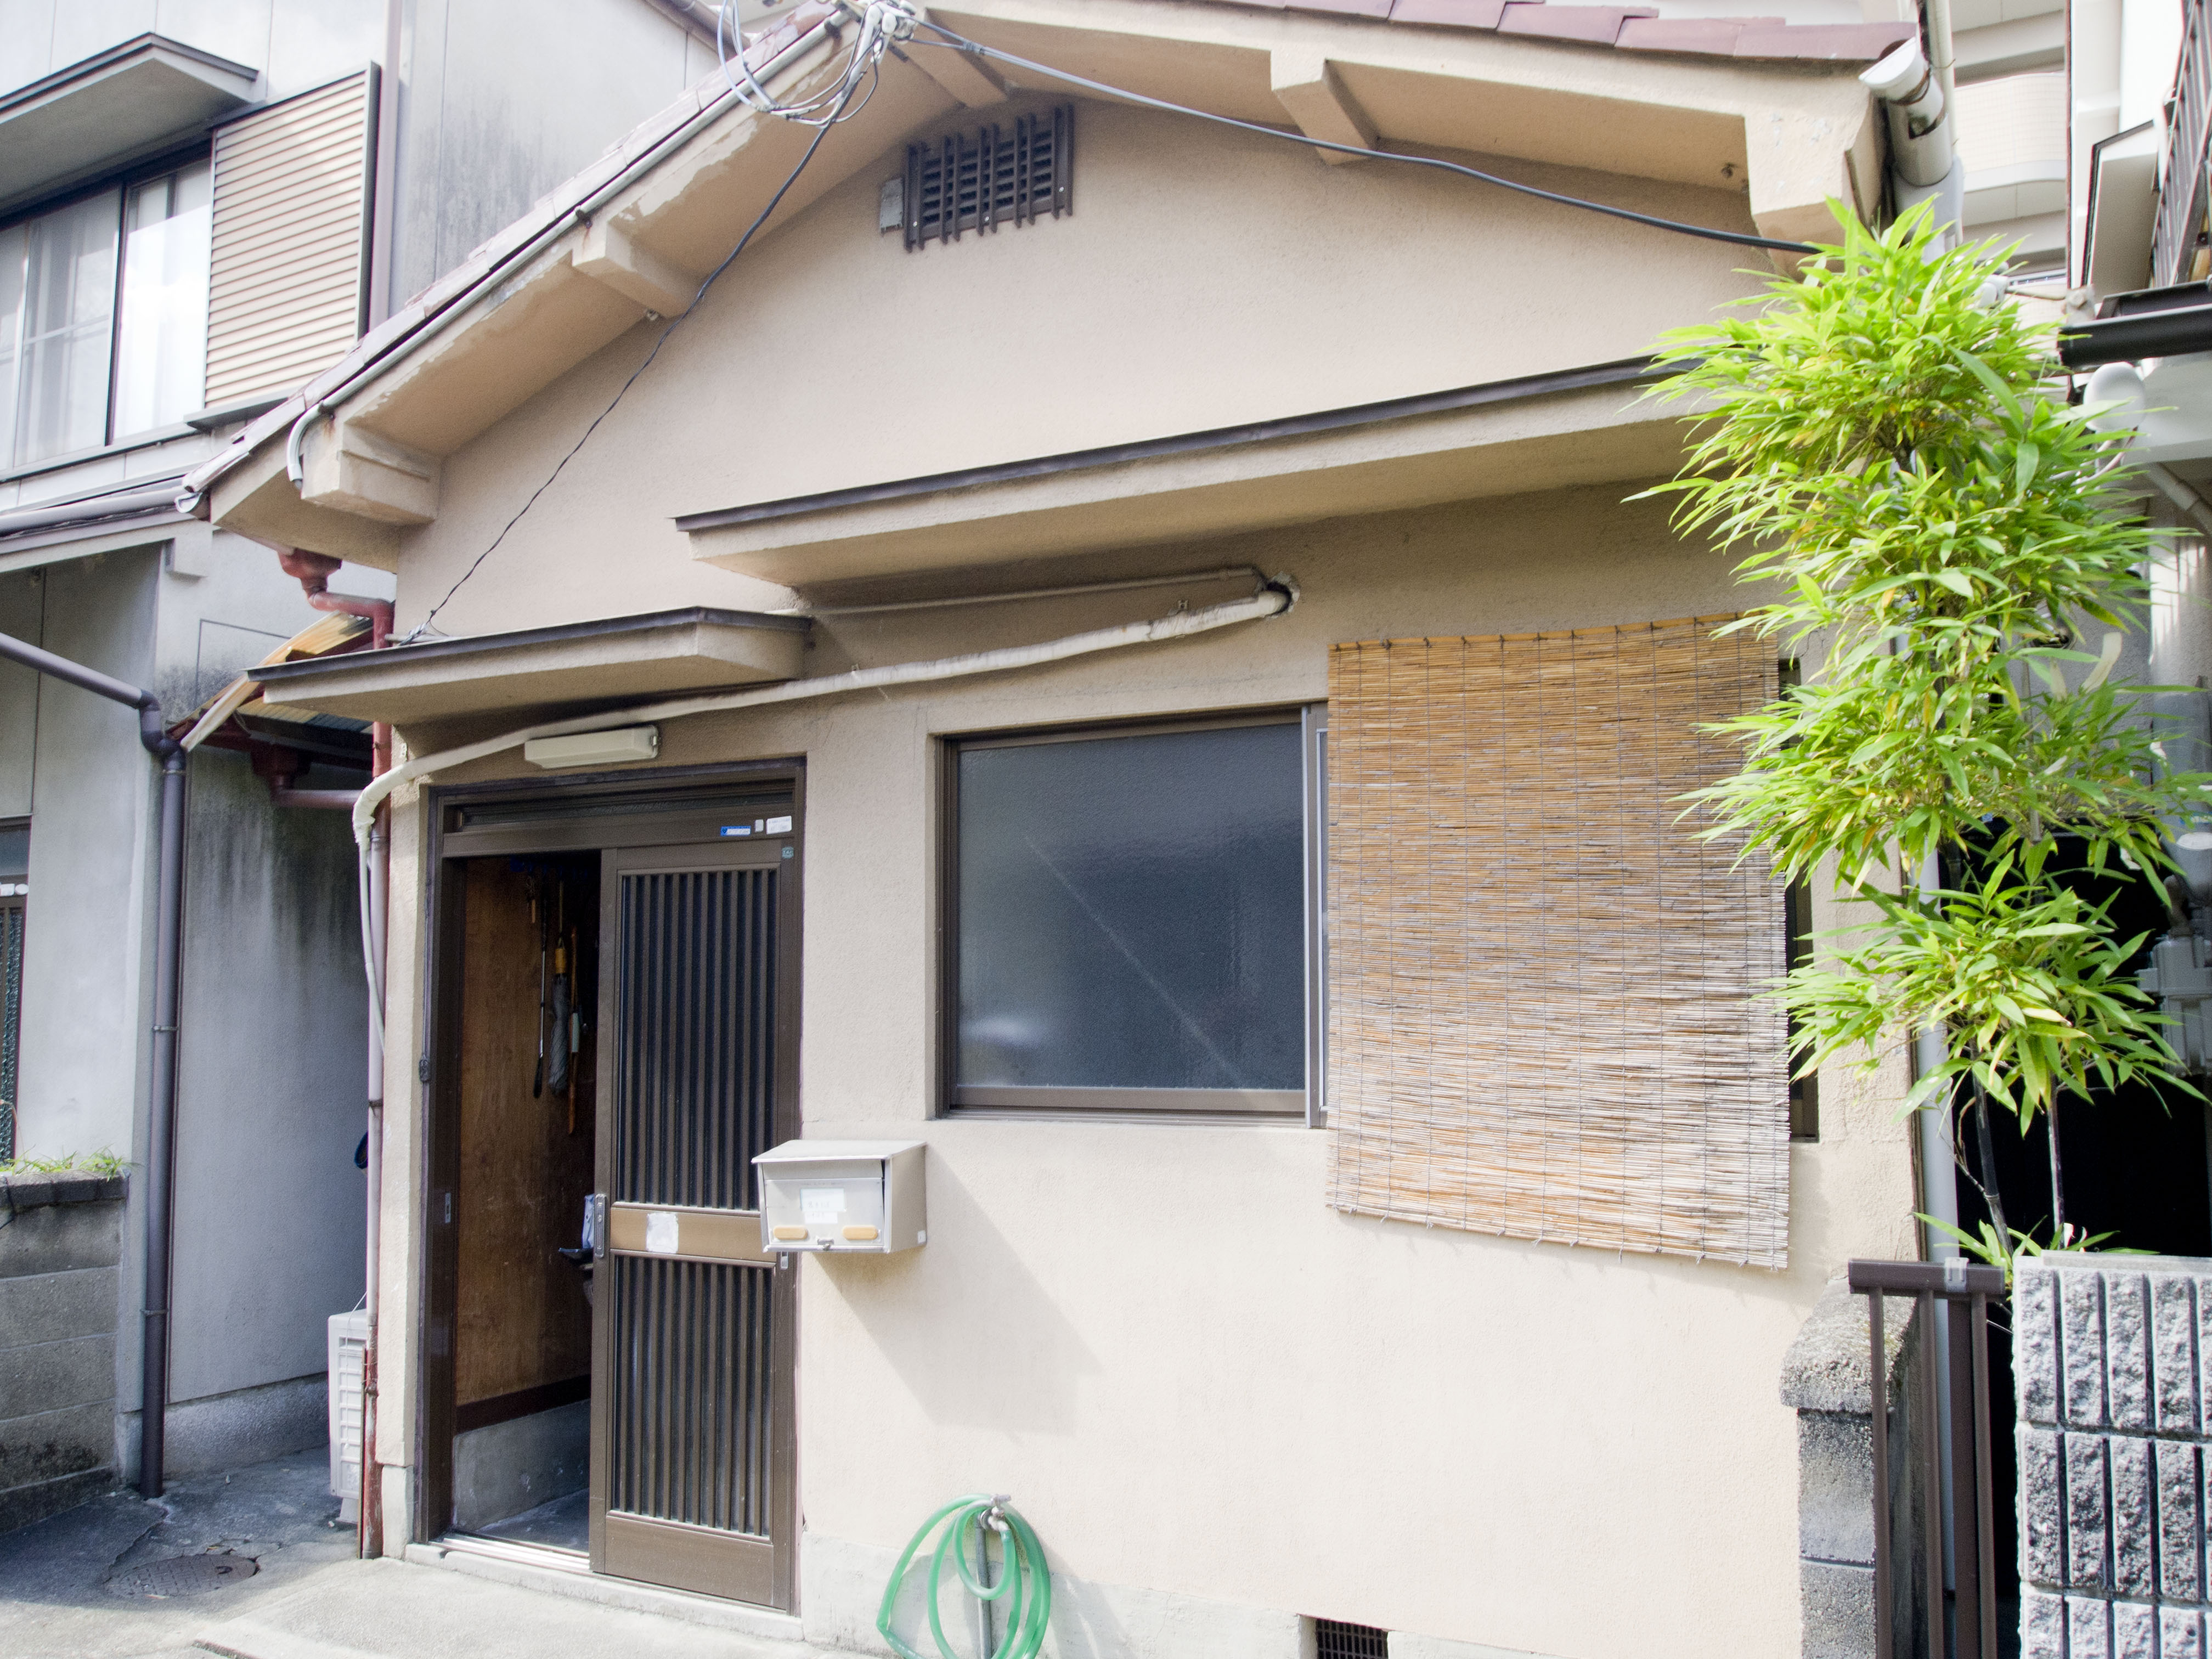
{"x": 162, "y": 1078}
{"x": 371, "y": 1538}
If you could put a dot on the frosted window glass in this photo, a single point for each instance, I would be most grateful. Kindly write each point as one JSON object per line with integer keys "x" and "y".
{"x": 1131, "y": 912}
{"x": 68, "y": 327}
{"x": 14, "y": 241}
{"x": 160, "y": 371}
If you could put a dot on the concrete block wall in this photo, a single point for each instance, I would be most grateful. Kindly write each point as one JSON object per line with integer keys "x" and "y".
{"x": 61, "y": 1240}
{"x": 1828, "y": 1379}
{"x": 2114, "y": 1401}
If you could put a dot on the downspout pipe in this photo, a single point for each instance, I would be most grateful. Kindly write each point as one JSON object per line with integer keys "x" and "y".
{"x": 162, "y": 1078}
{"x": 1916, "y": 92}
{"x": 314, "y": 572}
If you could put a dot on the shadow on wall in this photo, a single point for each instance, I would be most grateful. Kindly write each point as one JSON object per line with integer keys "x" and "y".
{"x": 994, "y": 1352}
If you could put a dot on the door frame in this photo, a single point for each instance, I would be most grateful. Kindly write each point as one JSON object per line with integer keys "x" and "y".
{"x": 703, "y": 1551}
{"x": 587, "y": 827}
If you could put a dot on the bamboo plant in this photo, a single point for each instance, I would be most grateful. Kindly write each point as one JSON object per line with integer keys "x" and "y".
{"x": 1889, "y": 447}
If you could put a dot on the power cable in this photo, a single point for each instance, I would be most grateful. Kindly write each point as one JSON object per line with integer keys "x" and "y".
{"x": 885, "y": 22}
{"x": 956, "y": 42}
{"x": 866, "y": 56}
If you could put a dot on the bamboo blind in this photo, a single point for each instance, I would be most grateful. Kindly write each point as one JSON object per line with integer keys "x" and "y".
{"x": 1544, "y": 1019}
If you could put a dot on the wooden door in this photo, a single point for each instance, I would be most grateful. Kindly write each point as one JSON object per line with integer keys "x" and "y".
{"x": 692, "y": 1444}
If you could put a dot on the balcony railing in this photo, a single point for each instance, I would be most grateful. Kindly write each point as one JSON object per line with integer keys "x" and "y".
{"x": 2181, "y": 197}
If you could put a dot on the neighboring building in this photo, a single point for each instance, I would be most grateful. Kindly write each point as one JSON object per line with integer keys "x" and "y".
{"x": 200, "y": 208}
{"x": 1361, "y": 1179}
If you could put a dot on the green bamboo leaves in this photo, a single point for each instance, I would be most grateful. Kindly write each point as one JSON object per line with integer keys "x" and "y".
{"x": 1882, "y": 439}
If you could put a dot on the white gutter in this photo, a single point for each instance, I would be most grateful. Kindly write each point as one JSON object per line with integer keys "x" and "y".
{"x": 1278, "y": 596}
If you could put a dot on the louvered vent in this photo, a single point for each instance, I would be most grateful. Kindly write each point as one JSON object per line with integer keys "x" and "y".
{"x": 1335, "y": 1639}
{"x": 1000, "y": 176}
{"x": 291, "y": 192}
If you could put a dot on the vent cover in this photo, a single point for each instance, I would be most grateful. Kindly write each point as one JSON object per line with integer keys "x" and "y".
{"x": 1001, "y": 175}
{"x": 1334, "y": 1639}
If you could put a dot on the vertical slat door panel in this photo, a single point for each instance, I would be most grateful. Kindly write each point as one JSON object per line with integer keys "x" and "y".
{"x": 691, "y": 1456}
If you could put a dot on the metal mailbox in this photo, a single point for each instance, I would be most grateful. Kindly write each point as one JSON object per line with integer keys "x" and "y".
{"x": 843, "y": 1196}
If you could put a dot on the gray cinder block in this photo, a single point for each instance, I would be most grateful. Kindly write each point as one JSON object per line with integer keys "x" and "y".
{"x": 2087, "y": 1520}
{"x": 2134, "y": 1631}
{"x": 2081, "y": 1349}
{"x": 2180, "y": 1574}
{"x": 2127, "y": 1350}
{"x": 2035, "y": 1345}
{"x": 2134, "y": 1558}
{"x": 2174, "y": 1351}
{"x": 54, "y": 1307}
{"x": 47, "y": 1376}
{"x": 60, "y": 1238}
{"x": 2042, "y": 1626}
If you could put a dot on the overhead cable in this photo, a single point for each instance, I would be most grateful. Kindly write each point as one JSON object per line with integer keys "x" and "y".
{"x": 822, "y": 131}
{"x": 956, "y": 42}
{"x": 881, "y": 22}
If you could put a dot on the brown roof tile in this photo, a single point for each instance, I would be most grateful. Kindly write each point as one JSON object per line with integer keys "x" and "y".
{"x": 1598, "y": 26}
{"x": 1714, "y": 36}
{"x": 1631, "y": 28}
{"x": 1449, "y": 14}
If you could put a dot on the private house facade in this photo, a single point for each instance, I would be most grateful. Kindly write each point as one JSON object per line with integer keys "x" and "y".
{"x": 1125, "y": 651}
{"x": 200, "y": 209}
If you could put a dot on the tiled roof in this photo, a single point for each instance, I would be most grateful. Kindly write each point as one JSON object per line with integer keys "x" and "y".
{"x": 1627, "y": 28}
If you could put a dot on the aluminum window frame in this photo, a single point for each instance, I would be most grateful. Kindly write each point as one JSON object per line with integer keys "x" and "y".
{"x": 120, "y": 183}
{"x": 1301, "y": 1107}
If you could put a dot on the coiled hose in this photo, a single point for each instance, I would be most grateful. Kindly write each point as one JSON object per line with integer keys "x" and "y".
{"x": 1025, "y": 1585}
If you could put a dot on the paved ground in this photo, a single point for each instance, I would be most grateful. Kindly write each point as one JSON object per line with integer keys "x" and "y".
{"x": 73, "y": 1587}
{"x": 100, "y": 1582}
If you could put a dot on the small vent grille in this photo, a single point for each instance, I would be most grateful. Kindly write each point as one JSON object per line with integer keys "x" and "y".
{"x": 1334, "y": 1639}
{"x": 980, "y": 180}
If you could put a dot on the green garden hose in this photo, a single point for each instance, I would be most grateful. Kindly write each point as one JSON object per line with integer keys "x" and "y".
{"x": 1025, "y": 1585}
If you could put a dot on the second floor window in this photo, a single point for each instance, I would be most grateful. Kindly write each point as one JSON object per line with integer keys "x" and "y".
{"x": 103, "y": 317}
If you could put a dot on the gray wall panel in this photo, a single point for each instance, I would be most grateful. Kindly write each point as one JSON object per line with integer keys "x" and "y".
{"x": 274, "y": 1040}
{"x": 20, "y": 605}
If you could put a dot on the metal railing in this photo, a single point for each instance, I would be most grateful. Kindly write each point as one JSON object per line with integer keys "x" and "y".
{"x": 2181, "y": 187}
{"x": 1974, "y": 1622}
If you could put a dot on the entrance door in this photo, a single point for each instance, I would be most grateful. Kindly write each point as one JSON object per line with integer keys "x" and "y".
{"x": 692, "y": 1342}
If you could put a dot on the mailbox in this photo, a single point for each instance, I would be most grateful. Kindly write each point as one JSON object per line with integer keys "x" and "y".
{"x": 842, "y": 1196}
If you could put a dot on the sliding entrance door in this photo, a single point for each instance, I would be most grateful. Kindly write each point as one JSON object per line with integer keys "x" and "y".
{"x": 691, "y": 1442}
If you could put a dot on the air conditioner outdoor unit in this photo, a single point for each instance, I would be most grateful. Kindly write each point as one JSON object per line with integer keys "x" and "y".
{"x": 349, "y": 1346}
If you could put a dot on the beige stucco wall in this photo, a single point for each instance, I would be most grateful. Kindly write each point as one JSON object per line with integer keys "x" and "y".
{"x": 1194, "y": 1376}
{"x": 1205, "y": 279}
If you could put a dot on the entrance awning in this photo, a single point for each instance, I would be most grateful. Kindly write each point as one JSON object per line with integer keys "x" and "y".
{"x": 612, "y": 657}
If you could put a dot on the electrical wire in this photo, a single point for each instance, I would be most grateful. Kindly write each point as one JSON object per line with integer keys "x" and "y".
{"x": 881, "y": 22}
{"x": 847, "y": 84}
{"x": 961, "y": 43}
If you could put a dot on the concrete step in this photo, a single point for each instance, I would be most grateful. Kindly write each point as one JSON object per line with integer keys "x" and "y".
{"x": 392, "y": 1609}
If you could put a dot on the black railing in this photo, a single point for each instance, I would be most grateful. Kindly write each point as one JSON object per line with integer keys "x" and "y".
{"x": 1973, "y": 1621}
{"x": 2181, "y": 188}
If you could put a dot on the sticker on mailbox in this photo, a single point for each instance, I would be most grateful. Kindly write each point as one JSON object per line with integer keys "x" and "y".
{"x": 660, "y": 1233}
{"x": 821, "y": 1206}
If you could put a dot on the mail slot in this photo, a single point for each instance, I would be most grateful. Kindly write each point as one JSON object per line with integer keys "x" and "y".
{"x": 843, "y": 1196}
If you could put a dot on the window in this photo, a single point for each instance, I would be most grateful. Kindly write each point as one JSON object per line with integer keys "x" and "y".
{"x": 15, "y": 890}
{"x": 103, "y": 317}
{"x": 1129, "y": 926}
